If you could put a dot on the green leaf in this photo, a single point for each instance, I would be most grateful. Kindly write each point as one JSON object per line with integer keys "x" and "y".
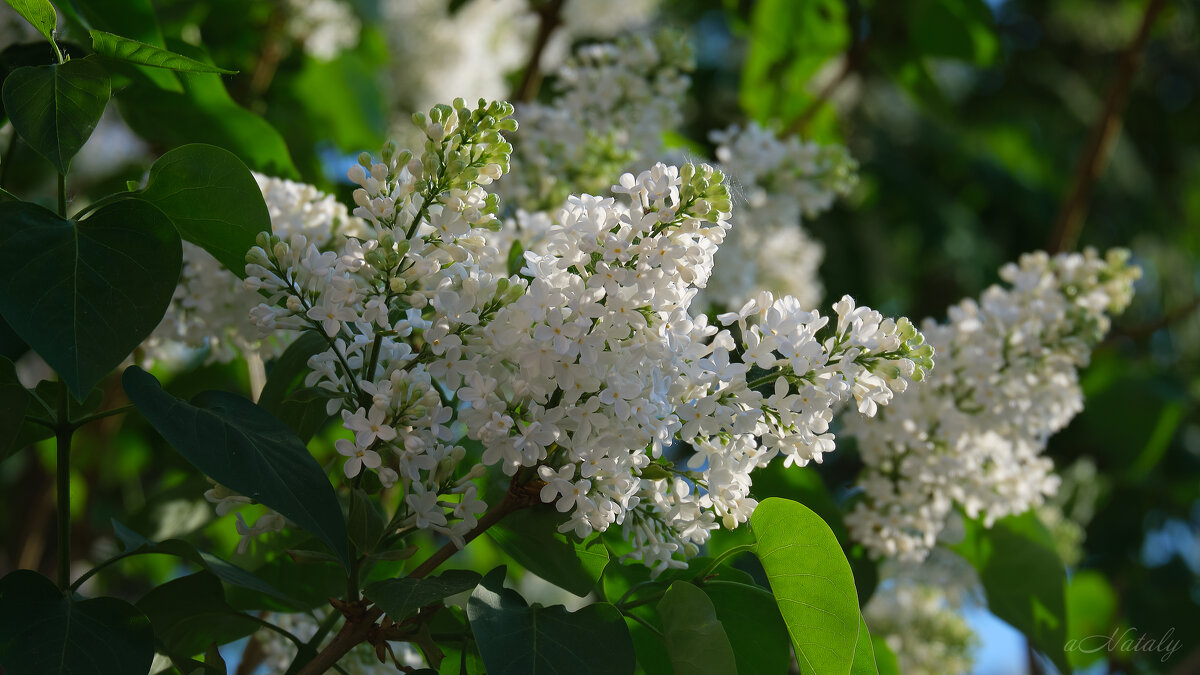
{"x": 285, "y": 396}
{"x": 696, "y": 640}
{"x": 14, "y": 400}
{"x": 365, "y": 521}
{"x": 242, "y": 447}
{"x": 213, "y": 200}
{"x": 43, "y": 632}
{"x": 754, "y": 626}
{"x": 956, "y": 29}
{"x": 531, "y": 537}
{"x": 205, "y": 113}
{"x": 133, "y": 19}
{"x": 136, "y": 544}
{"x": 864, "y": 652}
{"x": 85, "y": 294}
{"x": 885, "y": 660}
{"x": 401, "y": 598}
{"x": 40, "y": 13}
{"x": 515, "y": 639}
{"x": 190, "y": 613}
{"x": 54, "y": 108}
{"x": 790, "y": 41}
{"x": 1023, "y": 578}
{"x": 1091, "y": 615}
{"x": 124, "y": 49}
{"x": 516, "y": 260}
{"x": 812, "y": 583}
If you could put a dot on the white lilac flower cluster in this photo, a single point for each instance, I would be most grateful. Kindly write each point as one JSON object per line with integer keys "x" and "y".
{"x": 917, "y": 611}
{"x": 586, "y": 375}
{"x": 972, "y": 435}
{"x": 781, "y": 182}
{"x": 210, "y": 309}
{"x": 614, "y": 101}
{"x": 325, "y": 28}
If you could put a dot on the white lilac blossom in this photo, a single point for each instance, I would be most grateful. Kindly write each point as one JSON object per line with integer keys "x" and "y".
{"x": 973, "y": 433}
{"x": 612, "y": 105}
{"x": 917, "y": 611}
{"x": 586, "y": 375}
{"x": 324, "y": 28}
{"x": 210, "y": 309}
{"x": 779, "y": 183}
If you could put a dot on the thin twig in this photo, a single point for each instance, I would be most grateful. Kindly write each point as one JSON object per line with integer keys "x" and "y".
{"x": 1096, "y": 153}
{"x": 549, "y": 18}
{"x": 357, "y": 630}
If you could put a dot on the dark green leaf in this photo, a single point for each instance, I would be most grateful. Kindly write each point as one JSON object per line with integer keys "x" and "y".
{"x": 812, "y": 583}
{"x": 124, "y": 49}
{"x": 40, "y": 13}
{"x": 132, "y": 19}
{"x": 54, "y": 108}
{"x": 753, "y": 625}
{"x": 1023, "y": 578}
{"x": 205, "y": 113}
{"x": 213, "y": 200}
{"x": 956, "y": 29}
{"x": 696, "y": 640}
{"x": 864, "y": 652}
{"x": 84, "y": 294}
{"x": 516, "y": 258}
{"x": 190, "y": 613}
{"x": 43, "y": 632}
{"x": 365, "y": 521}
{"x": 515, "y": 639}
{"x": 285, "y": 396}
{"x": 531, "y": 537}
{"x": 229, "y": 573}
{"x": 401, "y": 598}
{"x": 242, "y": 447}
{"x": 14, "y": 400}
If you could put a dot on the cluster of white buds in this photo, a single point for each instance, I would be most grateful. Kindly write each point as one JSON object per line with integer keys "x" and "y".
{"x": 780, "y": 183}
{"x": 973, "y": 434}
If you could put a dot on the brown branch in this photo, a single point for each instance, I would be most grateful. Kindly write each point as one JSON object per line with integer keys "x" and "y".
{"x": 1096, "y": 153}
{"x": 360, "y": 620}
{"x": 549, "y": 18}
{"x": 854, "y": 59}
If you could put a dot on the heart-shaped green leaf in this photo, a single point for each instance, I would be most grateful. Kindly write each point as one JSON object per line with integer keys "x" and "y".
{"x": 514, "y": 638}
{"x": 124, "y": 49}
{"x": 754, "y": 626}
{"x": 40, "y": 13}
{"x": 696, "y": 640}
{"x": 213, "y": 200}
{"x": 84, "y": 294}
{"x": 400, "y": 598}
{"x": 812, "y": 583}
{"x": 190, "y": 613}
{"x": 55, "y": 108}
{"x": 239, "y": 445}
{"x": 43, "y": 632}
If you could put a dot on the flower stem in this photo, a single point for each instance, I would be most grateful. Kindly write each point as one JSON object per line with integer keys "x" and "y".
{"x": 62, "y": 432}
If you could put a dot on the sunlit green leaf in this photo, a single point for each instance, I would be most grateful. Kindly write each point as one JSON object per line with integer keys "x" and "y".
{"x": 125, "y": 49}
{"x": 40, "y": 13}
